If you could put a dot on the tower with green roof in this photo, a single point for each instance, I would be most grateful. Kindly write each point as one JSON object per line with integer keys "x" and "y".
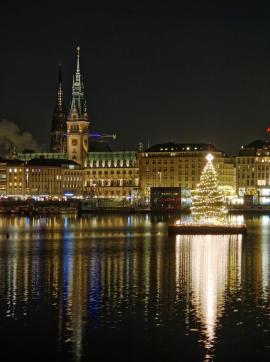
{"x": 77, "y": 120}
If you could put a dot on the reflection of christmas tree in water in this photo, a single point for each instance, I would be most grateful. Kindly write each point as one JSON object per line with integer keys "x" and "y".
{"x": 208, "y": 206}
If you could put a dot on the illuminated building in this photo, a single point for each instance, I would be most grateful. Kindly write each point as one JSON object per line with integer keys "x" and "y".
{"x": 44, "y": 177}
{"x": 253, "y": 171}
{"x": 106, "y": 174}
{"x": 119, "y": 174}
{"x": 112, "y": 174}
{"x": 59, "y": 120}
{"x": 77, "y": 122}
{"x": 27, "y": 156}
{"x": 180, "y": 165}
{"x": 16, "y": 180}
{"x": 3, "y": 177}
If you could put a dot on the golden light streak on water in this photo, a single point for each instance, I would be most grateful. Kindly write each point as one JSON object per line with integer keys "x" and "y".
{"x": 209, "y": 258}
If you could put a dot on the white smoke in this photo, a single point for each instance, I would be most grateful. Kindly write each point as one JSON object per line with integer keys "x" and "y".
{"x": 11, "y": 136}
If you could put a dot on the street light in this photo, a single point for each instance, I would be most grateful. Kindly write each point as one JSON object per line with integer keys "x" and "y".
{"x": 94, "y": 191}
{"x": 159, "y": 173}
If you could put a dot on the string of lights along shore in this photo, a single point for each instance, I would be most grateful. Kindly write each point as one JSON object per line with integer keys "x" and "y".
{"x": 81, "y": 164}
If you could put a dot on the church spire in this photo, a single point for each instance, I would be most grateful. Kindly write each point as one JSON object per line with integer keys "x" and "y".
{"x": 78, "y": 76}
{"x": 78, "y": 60}
{"x": 77, "y": 121}
{"x": 60, "y": 93}
{"x": 58, "y": 124}
{"x": 78, "y": 101}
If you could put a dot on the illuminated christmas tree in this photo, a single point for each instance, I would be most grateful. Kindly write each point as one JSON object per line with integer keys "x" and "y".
{"x": 208, "y": 205}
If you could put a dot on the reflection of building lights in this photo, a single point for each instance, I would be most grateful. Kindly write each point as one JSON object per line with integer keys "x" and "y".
{"x": 210, "y": 259}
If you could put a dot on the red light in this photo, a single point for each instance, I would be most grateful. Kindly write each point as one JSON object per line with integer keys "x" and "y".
{"x": 268, "y": 130}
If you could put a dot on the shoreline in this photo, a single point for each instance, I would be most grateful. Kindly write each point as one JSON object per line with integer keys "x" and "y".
{"x": 76, "y": 211}
{"x": 75, "y": 207}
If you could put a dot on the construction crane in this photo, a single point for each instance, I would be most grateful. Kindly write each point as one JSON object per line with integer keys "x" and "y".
{"x": 102, "y": 136}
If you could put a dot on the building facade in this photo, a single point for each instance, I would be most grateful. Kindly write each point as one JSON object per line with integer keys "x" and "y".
{"x": 253, "y": 171}
{"x": 44, "y": 177}
{"x": 180, "y": 165}
{"x": 3, "y": 178}
{"x": 16, "y": 178}
{"x": 73, "y": 168}
{"x": 27, "y": 156}
{"x": 106, "y": 174}
{"x": 112, "y": 174}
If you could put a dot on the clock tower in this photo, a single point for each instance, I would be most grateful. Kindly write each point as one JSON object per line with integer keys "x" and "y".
{"x": 77, "y": 121}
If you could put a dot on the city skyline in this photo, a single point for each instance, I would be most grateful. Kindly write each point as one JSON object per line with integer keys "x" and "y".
{"x": 134, "y": 181}
{"x": 67, "y": 99}
{"x": 202, "y": 70}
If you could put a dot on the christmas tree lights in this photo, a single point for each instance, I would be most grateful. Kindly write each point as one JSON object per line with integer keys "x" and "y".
{"x": 208, "y": 206}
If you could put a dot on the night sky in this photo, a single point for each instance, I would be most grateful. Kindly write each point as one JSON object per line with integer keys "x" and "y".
{"x": 167, "y": 71}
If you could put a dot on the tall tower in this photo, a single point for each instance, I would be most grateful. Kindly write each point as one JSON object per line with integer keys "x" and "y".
{"x": 59, "y": 120}
{"x": 77, "y": 120}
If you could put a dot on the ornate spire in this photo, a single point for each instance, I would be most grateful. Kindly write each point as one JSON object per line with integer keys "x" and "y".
{"x": 78, "y": 60}
{"x": 78, "y": 123}
{"x": 60, "y": 93}
{"x": 58, "y": 124}
{"x": 78, "y": 99}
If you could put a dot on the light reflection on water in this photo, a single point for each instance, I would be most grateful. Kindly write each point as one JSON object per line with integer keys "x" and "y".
{"x": 209, "y": 259}
{"x": 104, "y": 277}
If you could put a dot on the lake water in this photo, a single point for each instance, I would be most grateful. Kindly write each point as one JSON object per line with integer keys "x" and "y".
{"x": 108, "y": 287}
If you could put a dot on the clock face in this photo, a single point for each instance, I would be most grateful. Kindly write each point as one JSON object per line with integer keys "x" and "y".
{"x": 74, "y": 142}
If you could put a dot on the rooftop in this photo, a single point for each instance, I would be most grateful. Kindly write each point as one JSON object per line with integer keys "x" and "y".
{"x": 180, "y": 147}
{"x": 51, "y": 162}
{"x": 13, "y": 162}
{"x": 254, "y": 147}
{"x": 42, "y": 162}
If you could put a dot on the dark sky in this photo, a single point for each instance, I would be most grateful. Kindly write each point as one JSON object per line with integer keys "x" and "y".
{"x": 197, "y": 72}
